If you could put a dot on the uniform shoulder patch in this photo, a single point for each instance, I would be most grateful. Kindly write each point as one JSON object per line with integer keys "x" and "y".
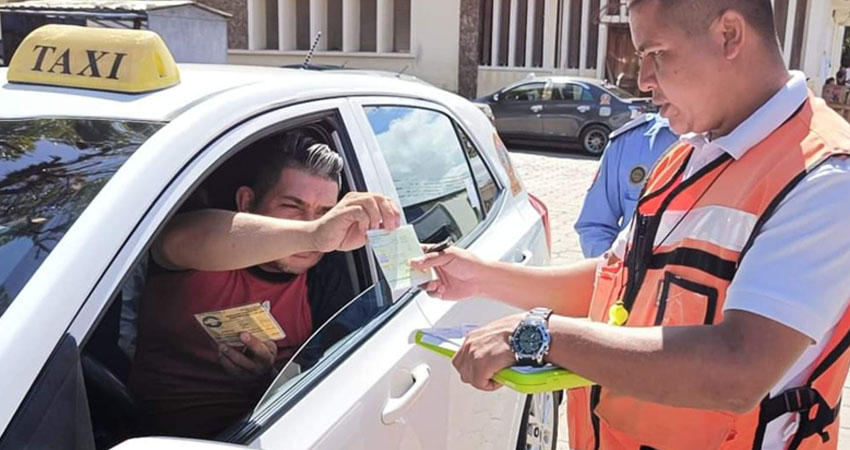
{"x": 631, "y": 125}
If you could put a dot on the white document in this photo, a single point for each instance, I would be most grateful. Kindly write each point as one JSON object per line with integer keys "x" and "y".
{"x": 453, "y": 336}
{"x": 394, "y": 250}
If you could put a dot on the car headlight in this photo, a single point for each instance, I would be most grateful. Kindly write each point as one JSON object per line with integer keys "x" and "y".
{"x": 485, "y": 108}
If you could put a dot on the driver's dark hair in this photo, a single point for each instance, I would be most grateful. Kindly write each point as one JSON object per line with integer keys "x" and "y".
{"x": 697, "y": 15}
{"x": 295, "y": 150}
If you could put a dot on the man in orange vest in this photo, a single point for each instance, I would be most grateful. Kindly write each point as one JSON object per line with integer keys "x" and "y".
{"x": 719, "y": 318}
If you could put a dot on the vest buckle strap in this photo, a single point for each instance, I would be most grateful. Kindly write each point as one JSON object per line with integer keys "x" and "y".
{"x": 796, "y": 400}
{"x": 817, "y": 426}
{"x": 799, "y": 399}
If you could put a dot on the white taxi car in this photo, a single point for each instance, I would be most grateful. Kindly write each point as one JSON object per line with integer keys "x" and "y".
{"x": 103, "y": 138}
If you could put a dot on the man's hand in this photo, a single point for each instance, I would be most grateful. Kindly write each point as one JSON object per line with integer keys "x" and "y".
{"x": 457, "y": 273}
{"x": 485, "y": 352}
{"x": 256, "y": 363}
{"x": 344, "y": 227}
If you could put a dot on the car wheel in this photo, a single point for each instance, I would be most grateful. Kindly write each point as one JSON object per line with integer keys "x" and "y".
{"x": 539, "y": 427}
{"x": 594, "y": 139}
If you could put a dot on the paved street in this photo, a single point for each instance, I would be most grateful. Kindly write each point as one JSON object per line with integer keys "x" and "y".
{"x": 560, "y": 180}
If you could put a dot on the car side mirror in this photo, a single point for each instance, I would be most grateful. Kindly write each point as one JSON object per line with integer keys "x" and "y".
{"x": 496, "y": 97}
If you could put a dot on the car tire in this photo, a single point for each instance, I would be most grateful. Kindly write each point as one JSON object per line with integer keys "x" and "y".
{"x": 594, "y": 139}
{"x": 539, "y": 427}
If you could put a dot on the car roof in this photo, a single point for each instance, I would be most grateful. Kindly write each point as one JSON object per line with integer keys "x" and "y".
{"x": 566, "y": 79}
{"x": 199, "y": 83}
{"x": 556, "y": 79}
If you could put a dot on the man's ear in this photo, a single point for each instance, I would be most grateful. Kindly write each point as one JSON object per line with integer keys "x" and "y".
{"x": 244, "y": 199}
{"x": 732, "y": 32}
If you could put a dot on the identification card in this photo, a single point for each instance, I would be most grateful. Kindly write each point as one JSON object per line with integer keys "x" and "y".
{"x": 394, "y": 250}
{"x": 226, "y": 325}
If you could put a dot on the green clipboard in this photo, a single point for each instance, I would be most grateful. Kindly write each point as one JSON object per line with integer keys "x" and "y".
{"x": 525, "y": 381}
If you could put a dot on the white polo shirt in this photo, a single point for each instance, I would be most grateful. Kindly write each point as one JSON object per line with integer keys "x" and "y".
{"x": 797, "y": 271}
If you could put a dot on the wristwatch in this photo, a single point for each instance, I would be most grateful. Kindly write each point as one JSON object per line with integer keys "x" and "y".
{"x": 530, "y": 339}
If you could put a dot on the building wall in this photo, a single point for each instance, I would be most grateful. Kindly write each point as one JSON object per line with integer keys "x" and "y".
{"x": 440, "y": 51}
{"x": 563, "y": 37}
{"x": 435, "y": 33}
{"x": 1, "y": 2}
{"x": 237, "y": 26}
{"x": 810, "y": 32}
{"x": 433, "y": 55}
{"x": 468, "y": 51}
{"x": 824, "y": 32}
{"x": 180, "y": 28}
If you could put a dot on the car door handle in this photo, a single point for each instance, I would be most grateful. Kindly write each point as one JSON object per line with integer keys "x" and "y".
{"x": 523, "y": 258}
{"x": 397, "y": 407}
{"x": 537, "y": 108}
{"x": 583, "y": 108}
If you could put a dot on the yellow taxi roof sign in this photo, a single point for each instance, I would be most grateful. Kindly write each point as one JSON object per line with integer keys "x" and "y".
{"x": 129, "y": 61}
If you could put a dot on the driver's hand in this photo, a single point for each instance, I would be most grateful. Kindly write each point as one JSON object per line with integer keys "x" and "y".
{"x": 344, "y": 227}
{"x": 257, "y": 361}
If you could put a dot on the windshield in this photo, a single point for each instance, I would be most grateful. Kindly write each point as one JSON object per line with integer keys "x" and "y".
{"x": 618, "y": 92}
{"x": 50, "y": 170}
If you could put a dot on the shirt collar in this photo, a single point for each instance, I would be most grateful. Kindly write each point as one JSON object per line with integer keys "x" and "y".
{"x": 761, "y": 123}
{"x": 658, "y": 123}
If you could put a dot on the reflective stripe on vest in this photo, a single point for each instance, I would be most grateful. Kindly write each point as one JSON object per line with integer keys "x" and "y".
{"x": 689, "y": 238}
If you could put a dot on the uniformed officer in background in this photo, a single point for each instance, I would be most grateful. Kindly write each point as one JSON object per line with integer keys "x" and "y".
{"x": 610, "y": 202}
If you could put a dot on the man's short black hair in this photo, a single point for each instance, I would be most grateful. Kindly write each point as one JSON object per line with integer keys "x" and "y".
{"x": 697, "y": 15}
{"x": 295, "y": 150}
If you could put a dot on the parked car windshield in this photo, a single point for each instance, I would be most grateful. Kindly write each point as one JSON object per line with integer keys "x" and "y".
{"x": 50, "y": 170}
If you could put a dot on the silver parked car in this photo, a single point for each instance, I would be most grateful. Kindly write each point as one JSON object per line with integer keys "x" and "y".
{"x": 563, "y": 111}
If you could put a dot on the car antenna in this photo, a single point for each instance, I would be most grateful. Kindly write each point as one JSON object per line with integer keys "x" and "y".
{"x": 398, "y": 75}
{"x": 312, "y": 50}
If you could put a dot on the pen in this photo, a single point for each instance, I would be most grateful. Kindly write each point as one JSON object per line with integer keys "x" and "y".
{"x": 441, "y": 246}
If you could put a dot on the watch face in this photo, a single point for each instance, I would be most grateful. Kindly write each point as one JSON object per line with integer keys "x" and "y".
{"x": 528, "y": 341}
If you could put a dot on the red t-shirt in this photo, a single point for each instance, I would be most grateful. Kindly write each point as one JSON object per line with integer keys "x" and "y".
{"x": 177, "y": 378}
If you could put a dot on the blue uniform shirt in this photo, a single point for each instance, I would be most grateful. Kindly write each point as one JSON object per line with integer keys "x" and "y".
{"x": 612, "y": 197}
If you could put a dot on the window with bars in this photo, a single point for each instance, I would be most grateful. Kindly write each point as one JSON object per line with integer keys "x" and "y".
{"x": 345, "y": 25}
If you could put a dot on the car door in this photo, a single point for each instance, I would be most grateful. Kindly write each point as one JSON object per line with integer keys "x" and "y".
{"x": 518, "y": 111}
{"x": 57, "y": 176}
{"x": 570, "y": 107}
{"x": 374, "y": 389}
{"x": 449, "y": 189}
{"x": 363, "y": 384}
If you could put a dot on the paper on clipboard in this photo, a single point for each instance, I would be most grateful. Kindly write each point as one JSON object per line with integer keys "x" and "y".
{"x": 226, "y": 325}
{"x": 452, "y": 336}
{"x": 523, "y": 379}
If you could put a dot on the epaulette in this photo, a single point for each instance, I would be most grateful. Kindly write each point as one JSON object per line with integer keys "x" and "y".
{"x": 631, "y": 125}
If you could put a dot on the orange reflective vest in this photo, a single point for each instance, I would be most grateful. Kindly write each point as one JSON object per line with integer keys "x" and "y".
{"x": 688, "y": 239}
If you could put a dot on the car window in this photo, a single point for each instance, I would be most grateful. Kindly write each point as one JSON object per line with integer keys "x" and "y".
{"x": 429, "y": 166}
{"x": 530, "y": 92}
{"x": 335, "y": 339}
{"x": 322, "y": 314}
{"x": 618, "y": 92}
{"x": 488, "y": 190}
{"x": 571, "y": 92}
{"x": 50, "y": 170}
